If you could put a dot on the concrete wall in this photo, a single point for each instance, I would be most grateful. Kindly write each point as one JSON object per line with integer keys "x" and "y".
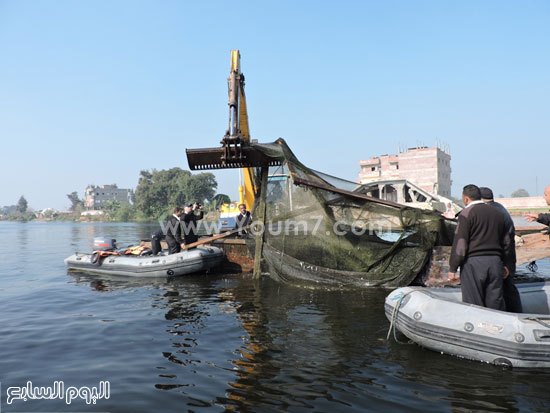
{"x": 528, "y": 202}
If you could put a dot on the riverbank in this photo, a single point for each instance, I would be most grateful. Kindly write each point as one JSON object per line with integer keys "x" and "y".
{"x": 64, "y": 217}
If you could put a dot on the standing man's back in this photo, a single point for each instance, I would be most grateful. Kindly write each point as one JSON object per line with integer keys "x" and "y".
{"x": 512, "y": 298}
{"x": 481, "y": 247}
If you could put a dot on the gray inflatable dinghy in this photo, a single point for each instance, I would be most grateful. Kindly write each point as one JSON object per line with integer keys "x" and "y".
{"x": 436, "y": 318}
{"x": 185, "y": 262}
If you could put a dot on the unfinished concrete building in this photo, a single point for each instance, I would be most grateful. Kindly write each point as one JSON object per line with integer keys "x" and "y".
{"x": 428, "y": 168}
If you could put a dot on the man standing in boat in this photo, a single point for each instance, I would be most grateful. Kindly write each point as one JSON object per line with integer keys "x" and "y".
{"x": 483, "y": 250}
{"x": 542, "y": 218}
{"x": 173, "y": 232}
{"x": 512, "y": 299}
{"x": 190, "y": 219}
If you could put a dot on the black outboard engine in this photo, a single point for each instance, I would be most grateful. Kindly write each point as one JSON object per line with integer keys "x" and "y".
{"x": 104, "y": 244}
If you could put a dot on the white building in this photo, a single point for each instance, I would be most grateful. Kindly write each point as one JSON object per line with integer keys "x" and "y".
{"x": 95, "y": 197}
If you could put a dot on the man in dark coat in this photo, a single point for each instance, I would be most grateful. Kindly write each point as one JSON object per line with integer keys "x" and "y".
{"x": 189, "y": 220}
{"x": 156, "y": 238}
{"x": 511, "y": 293}
{"x": 173, "y": 232}
{"x": 482, "y": 250}
{"x": 542, "y": 218}
{"x": 243, "y": 219}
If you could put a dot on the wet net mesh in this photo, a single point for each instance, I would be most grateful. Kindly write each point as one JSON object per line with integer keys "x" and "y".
{"x": 322, "y": 232}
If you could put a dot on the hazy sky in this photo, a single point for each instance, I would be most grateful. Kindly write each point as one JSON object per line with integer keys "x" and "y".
{"x": 95, "y": 91}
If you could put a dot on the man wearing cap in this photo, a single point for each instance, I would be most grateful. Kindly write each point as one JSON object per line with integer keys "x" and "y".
{"x": 190, "y": 219}
{"x": 482, "y": 250}
{"x": 511, "y": 293}
{"x": 542, "y": 218}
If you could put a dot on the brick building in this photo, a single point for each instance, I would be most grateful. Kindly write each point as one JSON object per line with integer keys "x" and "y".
{"x": 429, "y": 168}
{"x": 95, "y": 197}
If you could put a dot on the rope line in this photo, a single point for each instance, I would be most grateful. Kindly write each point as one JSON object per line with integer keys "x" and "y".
{"x": 399, "y": 297}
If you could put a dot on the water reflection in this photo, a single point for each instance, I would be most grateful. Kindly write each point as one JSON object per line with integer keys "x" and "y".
{"x": 23, "y": 236}
{"x": 75, "y": 237}
{"x": 299, "y": 353}
{"x": 232, "y": 343}
{"x": 301, "y": 349}
{"x": 462, "y": 384}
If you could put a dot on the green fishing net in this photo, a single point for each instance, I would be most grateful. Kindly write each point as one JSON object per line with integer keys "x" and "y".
{"x": 321, "y": 231}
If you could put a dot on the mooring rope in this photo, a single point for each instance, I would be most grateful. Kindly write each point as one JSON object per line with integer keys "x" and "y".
{"x": 399, "y": 297}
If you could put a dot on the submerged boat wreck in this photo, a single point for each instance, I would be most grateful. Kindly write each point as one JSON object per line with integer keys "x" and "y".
{"x": 335, "y": 236}
{"x": 322, "y": 231}
{"x": 314, "y": 229}
{"x": 436, "y": 318}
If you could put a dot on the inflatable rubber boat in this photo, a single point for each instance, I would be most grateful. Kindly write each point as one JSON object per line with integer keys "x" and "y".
{"x": 186, "y": 262}
{"x": 436, "y": 318}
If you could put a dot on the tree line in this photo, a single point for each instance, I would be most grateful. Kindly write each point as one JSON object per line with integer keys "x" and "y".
{"x": 158, "y": 192}
{"x": 156, "y": 195}
{"x": 19, "y": 212}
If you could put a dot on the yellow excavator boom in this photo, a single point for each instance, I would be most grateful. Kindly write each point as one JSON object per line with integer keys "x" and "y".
{"x": 236, "y": 81}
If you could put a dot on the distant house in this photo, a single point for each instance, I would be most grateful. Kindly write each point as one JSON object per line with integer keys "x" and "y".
{"x": 95, "y": 197}
{"x": 47, "y": 213}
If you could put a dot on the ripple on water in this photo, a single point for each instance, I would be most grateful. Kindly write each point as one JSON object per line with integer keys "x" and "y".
{"x": 221, "y": 342}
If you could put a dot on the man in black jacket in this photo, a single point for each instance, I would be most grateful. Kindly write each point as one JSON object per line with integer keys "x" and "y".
{"x": 190, "y": 219}
{"x": 542, "y": 218}
{"x": 511, "y": 293}
{"x": 482, "y": 250}
{"x": 173, "y": 232}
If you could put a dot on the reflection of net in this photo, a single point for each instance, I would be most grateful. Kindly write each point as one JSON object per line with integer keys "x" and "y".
{"x": 320, "y": 231}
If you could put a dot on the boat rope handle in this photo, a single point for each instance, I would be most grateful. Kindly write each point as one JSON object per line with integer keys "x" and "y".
{"x": 395, "y": 313}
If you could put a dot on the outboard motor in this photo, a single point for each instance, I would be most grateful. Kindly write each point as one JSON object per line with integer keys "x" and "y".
{"x": 104, "y": 244}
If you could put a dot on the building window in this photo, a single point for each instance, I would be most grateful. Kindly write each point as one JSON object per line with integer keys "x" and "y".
{"x": 373, "y": 169}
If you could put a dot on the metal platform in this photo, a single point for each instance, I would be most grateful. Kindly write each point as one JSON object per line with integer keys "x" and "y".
{"x": 213, "y": 158}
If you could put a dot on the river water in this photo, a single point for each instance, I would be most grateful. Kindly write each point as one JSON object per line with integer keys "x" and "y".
{"x": 217, "y": 342}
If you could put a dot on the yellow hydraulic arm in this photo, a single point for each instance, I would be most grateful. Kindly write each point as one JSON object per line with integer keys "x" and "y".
{"x": 238, "y": 123}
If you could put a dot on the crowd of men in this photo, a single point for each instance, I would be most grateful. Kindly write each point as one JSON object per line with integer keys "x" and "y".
{"x": 484, "y": 250}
